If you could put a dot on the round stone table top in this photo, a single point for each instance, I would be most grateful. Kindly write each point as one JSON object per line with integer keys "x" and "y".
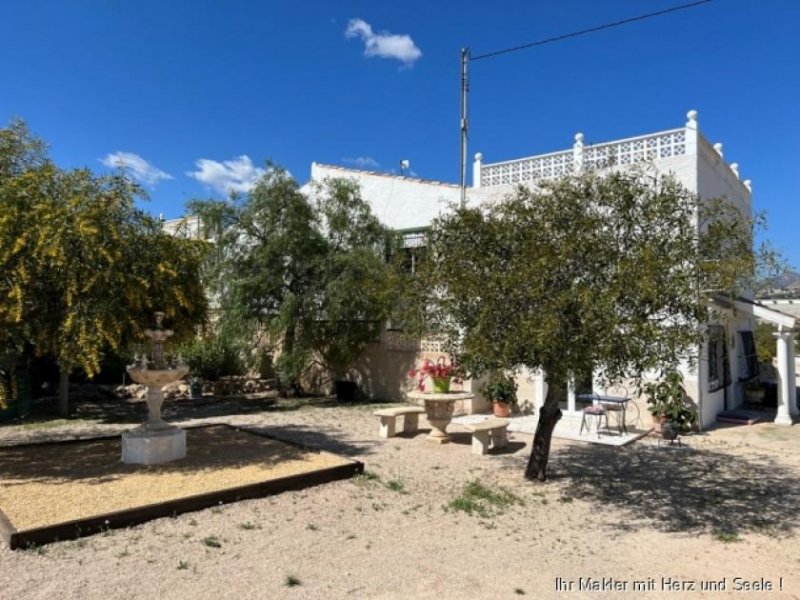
{"x": 447, "y": 396}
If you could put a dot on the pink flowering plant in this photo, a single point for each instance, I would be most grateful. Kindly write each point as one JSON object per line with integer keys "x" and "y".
{"x": 438, "y": 370}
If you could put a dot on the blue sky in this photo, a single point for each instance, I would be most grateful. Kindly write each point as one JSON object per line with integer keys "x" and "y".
{"x": 204, "y": 91}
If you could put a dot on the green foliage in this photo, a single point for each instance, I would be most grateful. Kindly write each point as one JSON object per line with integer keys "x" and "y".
{"x": 590, "y": 273}
{"x": 501, "y": 387}
{"x": 728, "y": 537}
{"x": 754, "y": 385}
{"x": 480, "y": 500}
{"x": 766, "y": 347}
{"x": 4, "y": 395}
{"x": 83, "y": 268}
{"x": 366, "y": 477}
{"x": 667, "y": 399}
{"x": 307, "y": 277}
{"x": 396, "y": 485}
{"x": 211, "y": 358}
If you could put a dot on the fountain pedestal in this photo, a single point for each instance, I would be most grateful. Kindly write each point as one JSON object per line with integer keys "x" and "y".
{"x": 142, "y": 447}
{"x": 155, "y": 441}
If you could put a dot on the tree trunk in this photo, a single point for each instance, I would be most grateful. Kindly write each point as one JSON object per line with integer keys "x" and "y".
{"x": 548, "y": 417}
{"x": 63, "y": 390}
{"x": 288, "y": 385}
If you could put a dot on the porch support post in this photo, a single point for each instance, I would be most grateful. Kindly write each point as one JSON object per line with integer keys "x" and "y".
{"x": 792, "y": 379}
{"x": 786, "y": 393}
{"x": 541, "y": 390}
{"x": 571, "y": 394}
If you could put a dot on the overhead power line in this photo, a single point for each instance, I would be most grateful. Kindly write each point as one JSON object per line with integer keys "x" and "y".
{"x": 590, "y": 30}
{"x": 466, "y": 57}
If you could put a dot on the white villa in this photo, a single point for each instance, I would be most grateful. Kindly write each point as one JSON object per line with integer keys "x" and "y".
{"x": 725, "y": 360}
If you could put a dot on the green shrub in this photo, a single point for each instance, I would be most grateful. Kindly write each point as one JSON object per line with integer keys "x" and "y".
{"x": 501, "y": 388}
{"x": 211, "y": 358}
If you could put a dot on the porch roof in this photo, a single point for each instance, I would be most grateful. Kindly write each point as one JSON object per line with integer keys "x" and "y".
{"x": 758, "y": 310}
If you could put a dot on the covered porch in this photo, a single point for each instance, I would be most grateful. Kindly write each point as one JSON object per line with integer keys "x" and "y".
{"x": 785, "y": 327}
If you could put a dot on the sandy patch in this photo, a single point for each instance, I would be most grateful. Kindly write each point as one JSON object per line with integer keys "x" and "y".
{"x": 48, "y": 484}
{"x": 721, "y": 507}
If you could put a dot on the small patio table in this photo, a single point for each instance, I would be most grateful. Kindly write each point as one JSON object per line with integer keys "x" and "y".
{"x": 618, "y": 403}
{"x": 439, "y": 411}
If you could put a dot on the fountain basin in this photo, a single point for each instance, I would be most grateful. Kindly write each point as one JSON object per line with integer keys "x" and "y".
{"x": 144, "y": 446}
{"x": 157, "y": 377}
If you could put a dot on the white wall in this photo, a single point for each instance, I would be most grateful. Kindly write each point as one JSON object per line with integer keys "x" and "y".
{"x": 399, "y": 202}
{"x": 405, "y": 202}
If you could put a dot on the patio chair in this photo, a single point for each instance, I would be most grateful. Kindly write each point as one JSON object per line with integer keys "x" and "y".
{"x": 594, "y": 411}
{"x": 619, "y": 414}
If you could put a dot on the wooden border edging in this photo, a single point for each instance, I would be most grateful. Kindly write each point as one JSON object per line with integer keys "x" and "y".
{"x": 134, "y": 516}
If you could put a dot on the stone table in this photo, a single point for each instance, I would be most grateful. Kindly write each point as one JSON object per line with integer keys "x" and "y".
{"x": 439, "y": 411}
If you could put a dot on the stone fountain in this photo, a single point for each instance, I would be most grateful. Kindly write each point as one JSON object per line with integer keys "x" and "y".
{"x": 155, "y": 441}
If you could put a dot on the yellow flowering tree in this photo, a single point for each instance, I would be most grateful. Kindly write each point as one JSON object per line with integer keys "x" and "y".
{"x": 82, "y": 268}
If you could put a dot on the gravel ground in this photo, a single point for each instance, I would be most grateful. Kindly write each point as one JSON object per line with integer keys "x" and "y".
{"x": 722, "y": 507}
{"x": 48, "y": 484}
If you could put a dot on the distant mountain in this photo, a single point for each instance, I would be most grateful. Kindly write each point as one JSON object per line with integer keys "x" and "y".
{"x": 786, "y": 285}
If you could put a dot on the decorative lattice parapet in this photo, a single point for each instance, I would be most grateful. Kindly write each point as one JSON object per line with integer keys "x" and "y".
{"x": 629, "y": 151}
{"x": 646, "y": 148}
{"x": 545, "y": 166}
{"x": 432, "y": 346}
{"x": 399, "y": 341}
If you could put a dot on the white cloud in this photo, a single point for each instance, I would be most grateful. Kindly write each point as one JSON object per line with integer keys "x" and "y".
{"x": 235, "y": 175}
{"x": 362, "y": 162}
{"x": 384, "y": 44}
{"x": 139, "y": 168}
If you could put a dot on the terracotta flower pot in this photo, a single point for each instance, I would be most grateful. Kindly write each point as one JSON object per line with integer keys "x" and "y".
{"x": 501, "y": 409}
{"x": 658, "y": 422}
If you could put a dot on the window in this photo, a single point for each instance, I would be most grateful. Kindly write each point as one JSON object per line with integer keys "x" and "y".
{"x": 749, "y": 356}
{"x": 408, "y": 247}
{"x": 719, "y": 372}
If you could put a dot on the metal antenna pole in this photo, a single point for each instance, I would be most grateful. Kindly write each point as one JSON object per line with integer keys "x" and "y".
{"x": 464, "y": 124}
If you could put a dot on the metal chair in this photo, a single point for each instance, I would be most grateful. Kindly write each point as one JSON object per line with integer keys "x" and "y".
{"x": 597, "y": 411}
{"x": 619, "y": 414}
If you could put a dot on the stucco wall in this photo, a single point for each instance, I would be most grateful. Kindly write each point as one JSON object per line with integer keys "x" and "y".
{"x": 399, "y": 202}
{"x": 404, "y": 202}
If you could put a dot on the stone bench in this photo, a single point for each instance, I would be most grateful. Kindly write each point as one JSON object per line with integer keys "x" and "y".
{"x": 389, "y": 416}
{"x": 490, "y": 429}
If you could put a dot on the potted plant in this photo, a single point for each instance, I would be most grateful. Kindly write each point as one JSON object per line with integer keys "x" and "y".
{"x": 501, "y": 389}
{"x": 668, "y": 403}
{"x": 440, "y": 373}
{"x": 754, "y": 391}
{"x": 195, "y": 387}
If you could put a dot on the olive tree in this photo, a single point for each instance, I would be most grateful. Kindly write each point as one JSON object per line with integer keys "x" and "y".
{"x": 606, "y": 273}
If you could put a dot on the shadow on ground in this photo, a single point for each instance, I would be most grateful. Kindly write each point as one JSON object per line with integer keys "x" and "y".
{"x": 114, "y": 411}
{"x": 210, "y": 448}
{"x": 679, "y": 489}
{"x": 465, "y": 439}
{"x": 317, "y": 439}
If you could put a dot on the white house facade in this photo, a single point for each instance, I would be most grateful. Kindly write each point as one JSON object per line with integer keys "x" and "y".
{"x": 723, "y": 362}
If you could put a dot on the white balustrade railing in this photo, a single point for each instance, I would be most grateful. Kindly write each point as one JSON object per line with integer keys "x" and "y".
{"x": 645, "y": 148}
{"x": 629, "y": 151}
{"x": 545, "y": 166}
